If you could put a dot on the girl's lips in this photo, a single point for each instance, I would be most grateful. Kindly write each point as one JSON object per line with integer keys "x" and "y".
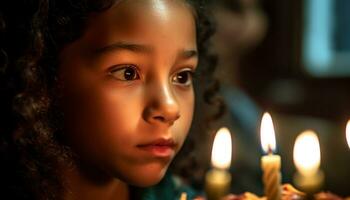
{"x": 160, "y": 147}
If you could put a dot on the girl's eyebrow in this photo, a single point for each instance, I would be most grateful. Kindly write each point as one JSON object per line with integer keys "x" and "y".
{"x": 185, "y": 54}
{"x": 124, "y": 46}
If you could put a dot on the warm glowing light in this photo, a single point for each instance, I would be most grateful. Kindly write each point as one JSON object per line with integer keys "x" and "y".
{"x": 222, "y": 149}
{"x": 267, "y": 134}
{"x": 306, "y": 154}
{"x": 348, "y": 132}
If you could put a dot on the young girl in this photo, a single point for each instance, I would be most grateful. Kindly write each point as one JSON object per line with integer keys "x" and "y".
{"x": 97, "y": 96}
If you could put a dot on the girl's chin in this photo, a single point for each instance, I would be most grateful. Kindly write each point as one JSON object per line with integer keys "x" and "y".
{"x": 146, "y": 183}
{"x": 146, "y": 177}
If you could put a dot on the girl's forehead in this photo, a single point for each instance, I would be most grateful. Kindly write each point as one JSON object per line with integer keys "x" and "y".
{"x": 164, "y": 25}
{"x": 137, "y": 8}
{"x": 158, "y": 4}
{"x": 130, "y": 17}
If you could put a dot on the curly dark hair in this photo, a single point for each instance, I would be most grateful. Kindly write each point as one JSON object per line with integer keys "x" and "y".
{"x": 32, "y": 34}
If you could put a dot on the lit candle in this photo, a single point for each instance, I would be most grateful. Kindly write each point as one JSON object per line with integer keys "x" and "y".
{"x": 218, "y": 179}
{"x": 307, "y": 158}
{"x": 348, "y": 133}
{"x": 183, "y": 196}
{"x": 270, "y": 163}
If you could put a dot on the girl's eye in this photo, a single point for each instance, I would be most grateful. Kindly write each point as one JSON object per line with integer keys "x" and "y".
{"x": 126, "y": 73}
{"x": 183, "y": 78}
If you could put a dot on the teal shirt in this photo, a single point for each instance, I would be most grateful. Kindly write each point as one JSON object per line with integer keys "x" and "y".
{"x": 167, "y": 189}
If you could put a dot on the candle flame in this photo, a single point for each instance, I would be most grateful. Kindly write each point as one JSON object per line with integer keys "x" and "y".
{"x": 222, "y": 149}
{"x": 306, "y": 153}
{"x": 267, "y": 134}
{"x": 348, "y": 133}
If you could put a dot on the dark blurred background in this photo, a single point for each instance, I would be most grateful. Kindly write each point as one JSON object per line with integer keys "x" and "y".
{"x": 292, "y": 59}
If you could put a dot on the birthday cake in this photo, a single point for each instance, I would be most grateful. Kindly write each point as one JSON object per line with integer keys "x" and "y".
{"x": 329, "y": 196}
{"x": 288, "y": 193}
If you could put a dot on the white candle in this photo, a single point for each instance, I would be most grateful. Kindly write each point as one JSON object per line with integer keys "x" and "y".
{"x": 218, "y": 179}
{"x": 348, "y": 133}
{"x": 270, "y": 163}
{"x": 307, "y": 159}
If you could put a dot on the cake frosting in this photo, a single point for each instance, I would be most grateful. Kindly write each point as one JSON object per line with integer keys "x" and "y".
{"x": 288, "y": 193}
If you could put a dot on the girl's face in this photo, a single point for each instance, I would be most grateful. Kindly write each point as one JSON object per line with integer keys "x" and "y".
{"x": 127, "y": 88}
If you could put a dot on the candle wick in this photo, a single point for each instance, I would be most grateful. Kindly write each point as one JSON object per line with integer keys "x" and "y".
{"x": 269, "y": 149}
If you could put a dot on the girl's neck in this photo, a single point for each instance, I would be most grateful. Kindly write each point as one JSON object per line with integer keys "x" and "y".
{"x": 80, "y": 184}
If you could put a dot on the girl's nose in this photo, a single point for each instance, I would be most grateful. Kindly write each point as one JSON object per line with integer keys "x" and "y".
{"x": 162, "y": 106}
